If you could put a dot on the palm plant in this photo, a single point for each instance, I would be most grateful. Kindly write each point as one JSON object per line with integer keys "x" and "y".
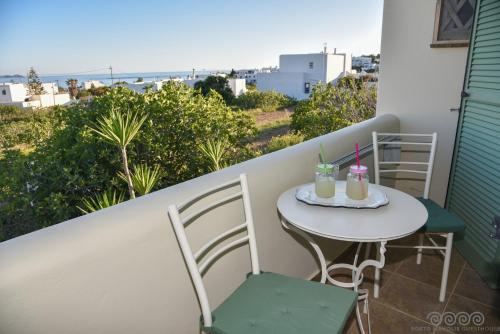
{"x": 120, "y": 129}
{"x": 215, "y": 152}
{"x": 143, "y": 178}
{"x": 101, "y": 201}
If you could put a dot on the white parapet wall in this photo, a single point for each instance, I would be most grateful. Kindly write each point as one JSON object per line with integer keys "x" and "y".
{"x": 120, "y": 270}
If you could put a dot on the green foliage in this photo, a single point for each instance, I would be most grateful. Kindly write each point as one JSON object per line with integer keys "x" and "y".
{"x": 218, "y": 84}
{"x": 83, "y": 93}
{"x": 99, "y": 91}
{"x": 331, "y": 108}
{"x": 143, "y": 178}
{"x": 45, "y": 185}
{"x": 24, "y": 128}
{"x": 34, "y": 84}
{"x": 140, "y": 79}
{"x": 102, "y": 201}
{"x": 280, "y": 142}
{"x": 72, "y": 87}
{"x": 232, "y": 74}
{"x": 251, "y": 86}
{"x": 267, "y": 101}
{"x": 215, "y": 151}
{"x": 119, "y": 128}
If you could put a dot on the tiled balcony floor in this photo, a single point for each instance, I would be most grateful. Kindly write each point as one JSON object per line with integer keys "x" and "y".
{"x": 409, "y": 292}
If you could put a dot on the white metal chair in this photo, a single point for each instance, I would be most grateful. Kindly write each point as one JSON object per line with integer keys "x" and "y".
{"x": 440, "y": 221}
{"x": 264, "y": 302}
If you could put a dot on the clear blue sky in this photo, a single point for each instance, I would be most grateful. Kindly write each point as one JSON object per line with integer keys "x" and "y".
{"x": 64, "y": 36}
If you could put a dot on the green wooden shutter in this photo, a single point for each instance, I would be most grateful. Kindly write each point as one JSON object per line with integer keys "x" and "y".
{"x": 474, "y": 189}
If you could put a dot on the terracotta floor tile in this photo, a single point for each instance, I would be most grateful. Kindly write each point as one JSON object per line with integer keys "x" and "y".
{"x": 412, "y": 297}
{"x": 387, "y": 320}
{"x": 458, "y": 304}
{"x": 472, "y": 286}
{"x": 430, "y": 270}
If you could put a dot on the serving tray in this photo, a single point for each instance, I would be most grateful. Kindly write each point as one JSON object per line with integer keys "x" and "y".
{"x": 376, "y": 197}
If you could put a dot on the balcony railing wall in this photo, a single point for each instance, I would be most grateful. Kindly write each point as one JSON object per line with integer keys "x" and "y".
{"x": 120, "y": 270}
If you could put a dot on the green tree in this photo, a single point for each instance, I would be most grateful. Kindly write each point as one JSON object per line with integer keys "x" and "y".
{"x": 215, "y": 151}
{"x": 331, "y": 108}
{"x": 232, "y": 74}
{"x": 34, "y": 84}
{"x": 47, "y": 184}
{"x": 218, "y": 84}
{"x": 279, "y": 142}
{"x": 101, "y": 201}
{"x": 72, "y": 87}
{"x": 120, "y": 128}
{"x": 140, "y": 79}
{"x": 267, "y": 101}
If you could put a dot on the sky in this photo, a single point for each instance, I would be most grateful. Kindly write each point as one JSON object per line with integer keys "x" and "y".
{"x": 62, "y": 36}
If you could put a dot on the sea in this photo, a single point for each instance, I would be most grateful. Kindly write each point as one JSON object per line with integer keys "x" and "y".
{"x": 105, "y": 78}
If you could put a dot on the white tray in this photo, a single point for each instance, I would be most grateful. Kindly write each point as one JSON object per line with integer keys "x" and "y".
{"x": 376, "y": 197}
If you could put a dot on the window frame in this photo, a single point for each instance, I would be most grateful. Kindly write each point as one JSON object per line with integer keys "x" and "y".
{"x": 446, "y": 43}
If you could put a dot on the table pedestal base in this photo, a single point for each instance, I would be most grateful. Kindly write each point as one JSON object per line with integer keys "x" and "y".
{"x": 357, "y": 271}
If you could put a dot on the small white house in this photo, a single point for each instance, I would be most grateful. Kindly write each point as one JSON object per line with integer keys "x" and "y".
{"x": 92, "y": 83}
{"x": 298, "y": 73}
{"x": 17, "y": 94}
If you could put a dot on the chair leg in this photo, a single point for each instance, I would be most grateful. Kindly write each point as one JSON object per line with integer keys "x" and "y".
{"x": 446, "y": 266}
{"x": 367, "y": 250}
{"x": 376, "y": 280}
{"x": 419, "y": 250}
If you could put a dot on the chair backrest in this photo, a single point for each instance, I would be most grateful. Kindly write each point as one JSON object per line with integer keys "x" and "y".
{"x": 195, "y": 267}
{"x": 387, "y": 139}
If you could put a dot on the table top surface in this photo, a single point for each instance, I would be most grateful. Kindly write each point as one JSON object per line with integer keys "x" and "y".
{"x": 401, "y": 217}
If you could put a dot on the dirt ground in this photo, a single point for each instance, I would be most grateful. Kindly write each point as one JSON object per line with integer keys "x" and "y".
{"x": 272, "y": 124}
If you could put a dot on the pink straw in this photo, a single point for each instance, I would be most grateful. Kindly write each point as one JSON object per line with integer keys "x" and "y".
{"x": 357, "y": 154}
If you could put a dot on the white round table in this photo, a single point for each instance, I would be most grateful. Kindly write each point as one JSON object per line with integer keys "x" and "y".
{"x": 403, "y": 216}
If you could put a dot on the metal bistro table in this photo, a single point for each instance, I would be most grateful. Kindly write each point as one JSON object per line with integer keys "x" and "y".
{"x": 401, "y": 217}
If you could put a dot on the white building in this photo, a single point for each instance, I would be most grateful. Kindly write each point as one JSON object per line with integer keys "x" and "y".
{"x": 237, "y": 85}
{"x": 92, "y": 83}
{"x": 250, "y": 75}
{"x": 363, "y": 62}
{"x": 298, "y": 73}
{"x": 17, "y": 94}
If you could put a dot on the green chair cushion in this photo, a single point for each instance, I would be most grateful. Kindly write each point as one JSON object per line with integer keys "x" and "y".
{"x": 440, "y": 220}
{"x": 271, "y": 303}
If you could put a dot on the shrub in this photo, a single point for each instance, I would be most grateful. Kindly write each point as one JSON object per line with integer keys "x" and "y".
{"x": 267, "y": 101}
{"x": 280, "y": 142}
{"x": 218, "y": 84}
{"x": 73, "y": 163}
{"x": 331, "y": 108}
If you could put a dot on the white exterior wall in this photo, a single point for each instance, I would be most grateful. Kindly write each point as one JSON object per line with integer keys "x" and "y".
{"x": 120, "y": 270}
{"x": 13, "y": 93}
{"x": 295, "y": 71}
{"x": 49, "y": 100}
{"x": 238, "y": 86}
{"x": 420, "y": 84}
{"x": 300, "y": 63}
{"x": 50, "y": 88}
{"x": 289, "y": 83}
{"x": 88, "y": 84}
{"x": 338, "y": 65}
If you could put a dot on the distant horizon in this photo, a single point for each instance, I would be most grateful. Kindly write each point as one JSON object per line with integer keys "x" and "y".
{"x": 148, "y": 36}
